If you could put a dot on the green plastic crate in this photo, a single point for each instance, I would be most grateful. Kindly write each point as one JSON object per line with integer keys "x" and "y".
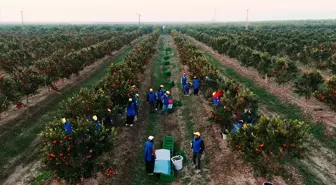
{"x": 166, "y": 63}
{"x": 168, "y": 138}
{"x": 167, "y": 72}
{"x": 171, "y": 84}
{"x": 168, "y": 143}
{"x": 168, "y": 178}
{"x": 184, "y": 155}
{"x": 177, "y": 103}
{"x": 166, "y": 57}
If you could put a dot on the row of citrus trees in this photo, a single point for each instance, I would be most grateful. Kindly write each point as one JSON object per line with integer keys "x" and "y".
{"x": 280, "y": 68}
{"x": 25, "y": 81}
{"x": 267, "y": 144}
{"x": 80, "y": 155}
{"x": 313, "y": 46}
{"x": 33, "y": 48}
{"x": 37, "y": 42}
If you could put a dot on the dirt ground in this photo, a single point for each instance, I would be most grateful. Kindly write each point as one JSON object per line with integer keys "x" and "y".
{"x": 44, "y": 92}
{"x": 314, "y": 108}
{"x": 325, "y": 73}
{"x": 321, "y": 162}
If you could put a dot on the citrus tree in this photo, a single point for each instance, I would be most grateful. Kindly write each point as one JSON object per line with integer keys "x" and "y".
{"x": 28, "y": 81}
{"x": 269, "y": 144}
{"x": 87, "y": 103}
{"x": 284, "y": 70}
{"x": 308, "y": 83}
{"x": 76, "y": 156}
{"x": 327, "y": 92}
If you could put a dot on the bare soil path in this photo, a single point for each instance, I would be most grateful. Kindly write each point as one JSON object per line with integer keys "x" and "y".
{"x": 325, "y": 73}
{"x": 184, "y": 123}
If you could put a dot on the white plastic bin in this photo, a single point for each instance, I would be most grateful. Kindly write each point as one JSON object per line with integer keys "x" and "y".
{"x": 178, "y": 162}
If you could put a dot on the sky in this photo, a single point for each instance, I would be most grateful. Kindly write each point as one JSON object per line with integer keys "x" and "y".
{"x": 164, "y": 10}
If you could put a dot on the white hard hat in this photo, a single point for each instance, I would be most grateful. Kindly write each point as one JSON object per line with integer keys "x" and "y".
{"x": 150, "y": 138}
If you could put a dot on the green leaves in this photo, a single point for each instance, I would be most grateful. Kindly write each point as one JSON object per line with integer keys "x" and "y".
{"x": 76, "y": 156}
{"x": 31, "y": 70}
{"x": 308, "y": 83}
{"x": 270, "y": 143}
{"x": 284, "y": 70}
{"x": 80, "y": 155}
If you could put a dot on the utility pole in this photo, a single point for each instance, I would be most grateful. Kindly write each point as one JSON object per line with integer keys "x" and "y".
{"x": 246, "y": 26}
{"x": 139, "y": 18}
{"x": 0, "y": 14}
{"x": 22, "y": 20}
{"x": 214, "y": 15}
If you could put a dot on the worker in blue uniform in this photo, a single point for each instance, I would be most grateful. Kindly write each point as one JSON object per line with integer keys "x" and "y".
{"x": 196, "y": 85}
{"x": 67, "y": 126}
{"x": 151, "y": 100}
{"x": 186, "y": 89}
{"x": 197, "y": 145}
{"x": 184, "y": 80}
{"x": 159, "y": 95}
{"x": 165, "y": 101}
{"x": 130, "y": 112}
{"x": 150, "y": 155}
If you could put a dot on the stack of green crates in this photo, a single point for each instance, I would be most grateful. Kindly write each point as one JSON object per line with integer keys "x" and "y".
{"x": 168, "y": 143}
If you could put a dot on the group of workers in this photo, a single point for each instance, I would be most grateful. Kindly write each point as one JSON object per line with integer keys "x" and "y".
{"x": 156, "y": 100}
{"x": 94, "y": 120}
{"x": 160, "y": 99}
{"x": 246, "y": 118}
{"x": 186, "y": 86}
{"x": 197, "y": 144}
{"x": 197, "y": 147}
